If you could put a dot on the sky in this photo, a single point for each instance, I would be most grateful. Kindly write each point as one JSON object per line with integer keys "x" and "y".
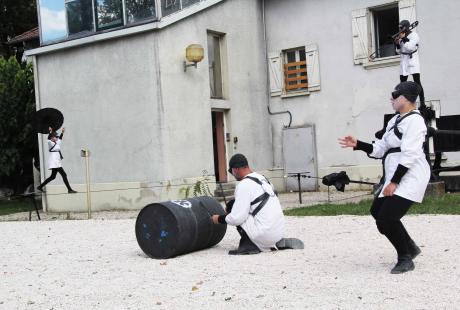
{"x": 52, "y": 20}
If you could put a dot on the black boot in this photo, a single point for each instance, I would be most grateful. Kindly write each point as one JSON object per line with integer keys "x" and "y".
{"x": 403, "y": 265}
{"x": 246, "y": 246}
{"x": 414, "y": 250}
{"x": 71, "y": 191}
{"x": 290, "y": 243}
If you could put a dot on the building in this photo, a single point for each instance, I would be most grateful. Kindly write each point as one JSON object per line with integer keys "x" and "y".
{"x": 280, "y": 82}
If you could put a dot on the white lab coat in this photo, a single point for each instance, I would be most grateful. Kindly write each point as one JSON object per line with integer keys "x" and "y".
{"x": 409, "y": 65}
{"x": 266, "y": 228}
{"x": 54, "y": 158}
{"x": 413, "y": 184}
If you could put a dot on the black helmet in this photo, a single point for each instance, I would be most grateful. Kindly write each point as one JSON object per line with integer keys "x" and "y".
{"x": 404, "y": 25}
{"x": 410, "y": 90}
{"x": 237, "y": 161}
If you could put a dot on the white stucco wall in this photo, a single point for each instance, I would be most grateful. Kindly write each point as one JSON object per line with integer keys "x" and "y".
{"x": 352, "y": 99}
{"x": 147, "y": 122}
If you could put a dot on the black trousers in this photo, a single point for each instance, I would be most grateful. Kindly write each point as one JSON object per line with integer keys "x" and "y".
{"x": 416, "y": 76}
{"x": 245, "y": 243}
{"x": 54, "y": 172}
{"x": 388, "y": 212}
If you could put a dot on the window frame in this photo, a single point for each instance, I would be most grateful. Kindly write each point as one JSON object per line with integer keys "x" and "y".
{"x": 220, "y": 37}
{"x": 285, "y": 92}
{"x": 96, "y": 29}
{"x": 373, "y": 46}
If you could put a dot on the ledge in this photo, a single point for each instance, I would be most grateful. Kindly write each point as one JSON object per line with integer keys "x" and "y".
{"x": 382, "y": 62}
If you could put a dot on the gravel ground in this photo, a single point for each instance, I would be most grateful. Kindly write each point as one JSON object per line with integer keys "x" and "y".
{"x": 288, "y": 201}
{"x": 97, "y": 264}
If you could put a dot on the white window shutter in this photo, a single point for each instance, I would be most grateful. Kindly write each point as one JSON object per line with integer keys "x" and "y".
{"x": 275, "y": 73}
{"x": 313, "y": 73}
{"x": 407, "y": 10}
{"x": 360, "y": 35}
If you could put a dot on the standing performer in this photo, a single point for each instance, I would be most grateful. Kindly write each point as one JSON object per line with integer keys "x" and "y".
{"x": 55, "y": 160}
{"x": 407, "y": 46}
{"x": 256, "y": 212}
{"x": 406, "y": 171}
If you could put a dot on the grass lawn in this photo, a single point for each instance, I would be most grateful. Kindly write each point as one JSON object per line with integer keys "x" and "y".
{"x": 16, "y": 205}
{"x": 447, "y": 204}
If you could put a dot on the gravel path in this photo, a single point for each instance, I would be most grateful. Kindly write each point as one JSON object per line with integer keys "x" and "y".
{"x": 288, "y": 201}
{"x": 97, "y": 264}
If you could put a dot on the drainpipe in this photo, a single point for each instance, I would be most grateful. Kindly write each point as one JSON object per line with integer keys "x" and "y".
{"x": 267, "y": 77}
{"x": 39, "y": 136}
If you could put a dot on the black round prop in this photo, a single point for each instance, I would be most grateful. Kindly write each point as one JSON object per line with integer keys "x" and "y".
{"x": 47, "y": 117}
{"x": 171, "y": 228}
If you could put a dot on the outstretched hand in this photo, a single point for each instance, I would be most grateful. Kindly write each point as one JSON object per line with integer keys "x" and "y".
{"x": 348, "y": 141}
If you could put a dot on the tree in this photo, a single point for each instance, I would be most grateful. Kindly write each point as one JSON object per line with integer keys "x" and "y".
{"x": 16, "y": 17}
{"x": 18, "y": 139}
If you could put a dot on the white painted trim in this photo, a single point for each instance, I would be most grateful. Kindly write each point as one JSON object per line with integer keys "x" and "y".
{"x": 382, "y": 62}
{"x": 156, "y": 25}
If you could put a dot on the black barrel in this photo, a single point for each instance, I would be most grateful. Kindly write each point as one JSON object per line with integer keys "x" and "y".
{"x": 171, "y": 228}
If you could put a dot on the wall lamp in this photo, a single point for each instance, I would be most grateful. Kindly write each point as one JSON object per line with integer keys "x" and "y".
{"x": 194, "y": 53}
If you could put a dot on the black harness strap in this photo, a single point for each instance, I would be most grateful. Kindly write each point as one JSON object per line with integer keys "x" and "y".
{"x": 51, "y": 150}
{"x": 263, "y": 199}
{"x": 399, "y": 120}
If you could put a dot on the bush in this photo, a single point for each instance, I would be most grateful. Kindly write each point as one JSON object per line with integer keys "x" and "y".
{"x": 17, "y": 137}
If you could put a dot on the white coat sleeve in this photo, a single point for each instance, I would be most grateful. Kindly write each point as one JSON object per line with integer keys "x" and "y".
{"x": 413, "y": 42}
{"x": 242, "y": 205}
{"x": 412, "y": 142}
{"x": 379, "y": 149}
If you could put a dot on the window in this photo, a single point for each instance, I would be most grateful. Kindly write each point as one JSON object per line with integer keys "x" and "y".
{"x": 386, "y": 22}
{"x": 109, "y": 13}
{"x": 215, "y": 64}
{"x": 371, "y": 28}
{"x": 186, "y": 3}
{"x": 172, "y": 6}
{"x": 295, "y": 70}
{"x": 169, "y": 6}
{"x": 137, "y": 10}
{"x": 79, "y": 16}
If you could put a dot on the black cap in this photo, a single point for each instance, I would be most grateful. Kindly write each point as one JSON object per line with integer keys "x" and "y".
{"x": 237, "y": 161}
{"x": 404, "y": 24}
{"x": 408, "y": 89}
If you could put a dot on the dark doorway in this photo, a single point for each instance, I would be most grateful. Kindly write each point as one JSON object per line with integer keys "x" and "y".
{"x": 218, "y": 139}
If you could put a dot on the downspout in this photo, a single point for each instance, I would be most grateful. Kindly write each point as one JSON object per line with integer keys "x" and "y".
{"x": 268, "y": 69}
{"x": 39, "y": 136}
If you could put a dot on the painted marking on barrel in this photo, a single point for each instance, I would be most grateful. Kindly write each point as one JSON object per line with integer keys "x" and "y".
{"x": 147, "y": 235}
{"x": 163, "y": 234}
{"x": 183, "y": 203}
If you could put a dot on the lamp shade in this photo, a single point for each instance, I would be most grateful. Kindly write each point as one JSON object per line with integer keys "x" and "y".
{"x": 194, "y": 53}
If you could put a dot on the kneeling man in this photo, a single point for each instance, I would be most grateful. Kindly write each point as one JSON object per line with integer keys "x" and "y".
{"x": 256, "y": 212}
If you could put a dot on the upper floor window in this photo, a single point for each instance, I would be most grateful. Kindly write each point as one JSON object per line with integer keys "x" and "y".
{"x": 63, "y": 19}
{"x": 372, "y": 29}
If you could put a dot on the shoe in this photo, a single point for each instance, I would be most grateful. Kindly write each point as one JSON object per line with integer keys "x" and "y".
{"x": 414, "y": 250}
{"x": 40, "y": 189}
{"x": 290, "y": 243}
{"x": 72, "y": 191}
{"x": 403, "y": 265}
{"x": 243, "y": 252}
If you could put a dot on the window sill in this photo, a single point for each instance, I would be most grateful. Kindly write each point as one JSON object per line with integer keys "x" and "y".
{"x": 295, "y": 94}
{"x": 382, "y": 62}
{"x": 220, "y": 104}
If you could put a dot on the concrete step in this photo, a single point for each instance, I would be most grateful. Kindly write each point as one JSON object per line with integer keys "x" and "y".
{"x": 226, "y": 185}
{"x": 226, "y": 192}
{"x": 227, "y": 198}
